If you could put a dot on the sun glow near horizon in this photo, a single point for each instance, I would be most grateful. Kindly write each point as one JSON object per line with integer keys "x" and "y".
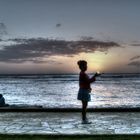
{"x": 96, "y": 61}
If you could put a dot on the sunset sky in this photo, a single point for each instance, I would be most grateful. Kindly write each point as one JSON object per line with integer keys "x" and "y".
{"x": 50, "y": 36}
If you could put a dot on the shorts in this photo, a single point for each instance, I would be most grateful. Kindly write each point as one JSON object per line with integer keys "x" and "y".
{"x": 84, "y": 95}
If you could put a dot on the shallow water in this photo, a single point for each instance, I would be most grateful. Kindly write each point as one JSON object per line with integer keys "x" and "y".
{"x": 110, "y": 90}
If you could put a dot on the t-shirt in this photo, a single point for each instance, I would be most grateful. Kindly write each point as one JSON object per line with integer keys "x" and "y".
{"x": 84, "y": 80}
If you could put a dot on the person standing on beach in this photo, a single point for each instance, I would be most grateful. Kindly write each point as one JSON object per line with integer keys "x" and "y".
{"x": 2, "y": 101}
{"x": 84, "y": 88}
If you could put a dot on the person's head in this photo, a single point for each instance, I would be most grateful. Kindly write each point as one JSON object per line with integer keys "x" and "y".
{"x": 82, "y": 65}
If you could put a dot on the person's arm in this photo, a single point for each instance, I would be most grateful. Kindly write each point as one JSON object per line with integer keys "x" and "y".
{"x": 93, "y": 78}
{"x": 85, "y": 78}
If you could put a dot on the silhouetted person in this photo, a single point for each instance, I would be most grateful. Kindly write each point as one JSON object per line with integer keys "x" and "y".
{"x": 84, "y": 88}
{"x": 2, "y": 101}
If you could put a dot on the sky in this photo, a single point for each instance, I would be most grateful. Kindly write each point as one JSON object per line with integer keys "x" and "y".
{"x": 50, "y": 36}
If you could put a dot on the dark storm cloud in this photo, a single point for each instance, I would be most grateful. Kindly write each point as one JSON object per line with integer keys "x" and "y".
{"x": 135, "y": 57}
{"x": 34, "y": 49}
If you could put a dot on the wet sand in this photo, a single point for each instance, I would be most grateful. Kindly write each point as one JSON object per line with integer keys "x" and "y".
{"x": 69, "y": 123}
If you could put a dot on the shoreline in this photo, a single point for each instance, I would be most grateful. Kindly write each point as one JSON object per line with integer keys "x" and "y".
{"x": 14, "y": 108}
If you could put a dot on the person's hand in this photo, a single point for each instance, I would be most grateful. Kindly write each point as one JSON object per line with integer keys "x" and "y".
{"x": 97, "y": 74}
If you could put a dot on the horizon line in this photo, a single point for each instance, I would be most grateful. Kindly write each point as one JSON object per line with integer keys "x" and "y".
{"x": 65, "y": 73}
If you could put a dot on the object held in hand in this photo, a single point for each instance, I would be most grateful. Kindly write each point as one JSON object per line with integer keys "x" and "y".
{"x": 97, "y": 73}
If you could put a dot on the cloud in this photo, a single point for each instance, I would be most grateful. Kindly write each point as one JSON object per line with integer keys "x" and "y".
{"x": 134, "y": 63}
{"x": 135, "y": 57}
{"x": 86, "y": 38}
{"x": 3, "y": 29}
{"x": 34, "y": 49}
{"x": 58, "y": 25}
{"x": 136, "y": 44}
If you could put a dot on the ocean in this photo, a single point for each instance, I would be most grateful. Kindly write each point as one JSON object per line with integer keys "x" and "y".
{"x": 60, "y": 90}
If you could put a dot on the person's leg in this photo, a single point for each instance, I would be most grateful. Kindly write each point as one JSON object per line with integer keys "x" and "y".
{"x": 84, "y": 108}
